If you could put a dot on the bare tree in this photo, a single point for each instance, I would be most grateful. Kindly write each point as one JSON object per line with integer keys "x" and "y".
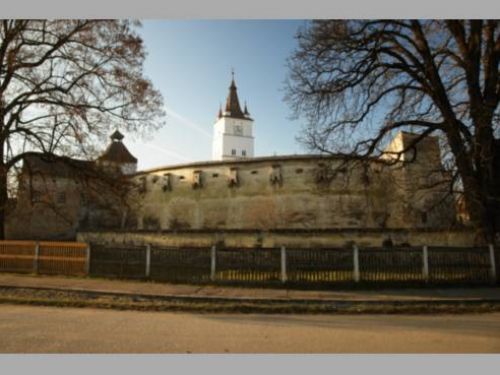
{"x": 356, "y": 82}
{"x": 64, "y": 84}
{"x": 77, "y": 194}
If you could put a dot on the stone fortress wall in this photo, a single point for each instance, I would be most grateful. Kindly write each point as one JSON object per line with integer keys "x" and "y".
{"x": 288, "y": 192}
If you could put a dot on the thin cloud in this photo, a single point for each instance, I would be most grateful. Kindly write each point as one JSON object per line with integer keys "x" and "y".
{"x": 170, "y": 153}
{"x": 187, "y": 122}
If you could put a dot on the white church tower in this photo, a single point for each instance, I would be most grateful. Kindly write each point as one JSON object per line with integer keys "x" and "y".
{"x": 233, "y": 131}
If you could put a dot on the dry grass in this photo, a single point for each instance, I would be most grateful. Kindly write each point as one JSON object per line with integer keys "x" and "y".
{"x": 58, "y": 298}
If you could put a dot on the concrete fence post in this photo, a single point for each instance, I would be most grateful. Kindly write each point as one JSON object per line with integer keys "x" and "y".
{"x": 493, "y": 270}
{"x": 355, "y": 252}
{"x": 213, "y": 257}
{"x": 283, "y": 264}
{"x": 37, "y": 255}
{"x": 148, "y": 260}
{"x": 425, "y": 263}
{"x": 87, "y": 259}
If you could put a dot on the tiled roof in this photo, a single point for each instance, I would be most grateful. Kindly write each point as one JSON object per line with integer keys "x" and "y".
{"x": 117, "y": 153}
{"x": 54, "y": 166}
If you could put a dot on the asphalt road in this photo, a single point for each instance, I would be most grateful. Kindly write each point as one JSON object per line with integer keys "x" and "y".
{"x": 36, "y": 329}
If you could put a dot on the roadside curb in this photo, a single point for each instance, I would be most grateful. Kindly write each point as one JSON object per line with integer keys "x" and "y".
{"x": 78, "y": 297}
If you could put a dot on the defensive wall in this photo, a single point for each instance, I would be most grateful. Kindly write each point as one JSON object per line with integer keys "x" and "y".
{"x": 289, "y": 192}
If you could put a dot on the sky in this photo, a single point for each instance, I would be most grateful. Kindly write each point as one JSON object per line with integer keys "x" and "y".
{"x": 190, "y": 63}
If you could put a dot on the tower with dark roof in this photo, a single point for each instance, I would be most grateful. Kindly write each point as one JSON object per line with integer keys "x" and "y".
{"x": 118, "y": 156}
{"x": 233, "y": 129}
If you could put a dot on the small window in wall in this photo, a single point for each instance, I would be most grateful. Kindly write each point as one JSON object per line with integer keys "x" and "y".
{"x": 61, "y": 197}
{"x": 233, "y": 152}
{"x": 244, "y": 153}
{"x": 197, "y": 180}
{"x": 424, "y": 217}
{"x": 83, "y": 198}
{"x": 233, "y": 177}
{"x": 276, "y": 178}
{"x": 36, "y": 196}
{"x": 167, "y": 182}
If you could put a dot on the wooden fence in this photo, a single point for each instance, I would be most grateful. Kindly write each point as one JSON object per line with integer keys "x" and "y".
{"x": 319, "y": 266}
{"x": 301, "y": 266}
{"x": 118, "y": 261}
{"x": 311, "y": 266}
{"x": 63, "y": 258}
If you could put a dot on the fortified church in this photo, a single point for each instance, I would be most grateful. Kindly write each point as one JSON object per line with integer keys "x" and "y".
{"x": 240, "y": 197}
{"x": 233, "y": 131}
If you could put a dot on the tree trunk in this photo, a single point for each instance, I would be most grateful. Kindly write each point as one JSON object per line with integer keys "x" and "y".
{"x": 3, "y": 200}
{"x": 480, "y": 215}
{"x": 476, "y": 207}
{"x": 484, "y": 153}
{"x": 475, "y": 195}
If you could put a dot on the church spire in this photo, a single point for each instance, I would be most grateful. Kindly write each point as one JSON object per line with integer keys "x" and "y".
{"x": 233, "y": 108}
{"x": 117, "y": 136}
{"x": 219, "y": 115}
{"x": 245, "y": 111}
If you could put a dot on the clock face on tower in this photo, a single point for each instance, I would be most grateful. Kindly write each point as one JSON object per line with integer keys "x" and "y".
{"x": 238, "y": 130}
